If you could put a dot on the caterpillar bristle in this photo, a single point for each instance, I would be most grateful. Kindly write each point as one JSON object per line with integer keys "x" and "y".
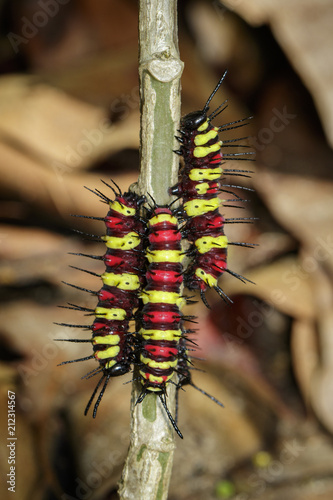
{"x": 88, "y": 217}
{"x": 78, "y": 360}
{"x": 85, "y": 271}
{"x": 249, "y": 153}
{"x": 239, "y": 276}
{"x": 224, "y": 127}
{"x": 93, "y": 372}
{"x": 73, "y": 340}
{"x": 163, "y": 401}
{"x": 102, "y": 196}
{"x": 238, "y": 220}
{"x": 204, "y": 300}
{"x": 99, "y": 399}
{"x": 232, "y": 206}
{"x": 69, "y": 325}
{"x": 93, "y": 292}
{"x": 237, "y": 175}
{"x": 119, "y": 193}
{"x": 93, "y": 395}
{"x": 207, "y": 394}
{"x": 97, "y": 257}
{"x": 228, "y": 171}
{"x": 218, "y": 110}
{"x": 77, "y": 308}
{"x": 241, "y": 244}
{"x": 227, "y": 141}
{"x": 238, "y": 187}
{"x": 92, "y": 237}
{"x": 219, "y": 83}
{"x": 224, "y": 145}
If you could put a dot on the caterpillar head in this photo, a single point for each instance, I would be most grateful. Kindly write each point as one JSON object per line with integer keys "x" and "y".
{"x": 193, "y": 120}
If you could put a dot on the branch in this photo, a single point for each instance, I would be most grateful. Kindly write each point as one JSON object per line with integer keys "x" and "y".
{"x": 148, "y": 466}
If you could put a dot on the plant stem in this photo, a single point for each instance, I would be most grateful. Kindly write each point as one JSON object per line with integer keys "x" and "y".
{"x": 148, "y": 466}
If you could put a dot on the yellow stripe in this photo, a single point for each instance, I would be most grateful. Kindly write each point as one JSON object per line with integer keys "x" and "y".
{"x": 206, "y": 243}
{"x": 160, "y": 334}
{"x": 110, "y": 352}
{"x": 202, "y": 151}
{"x": 162, "y": 218}
{"x": 203, "y": 127}
{"x": 128, "y": 242}
{"x": 110, "y": 314}
{"x": 153, "y": 378}
{"x": 123, "y": 281}
{"x": 197, "y": 207}
{"x": 165, "y": 256}
{"x": 205, "y": 174}
{"x": 108, "y": 339}
{"x": 163, "y": 365}
{"x": 158, "y": 296}
{"x": 202, "y": 139}
{"x": 122, "y": 209}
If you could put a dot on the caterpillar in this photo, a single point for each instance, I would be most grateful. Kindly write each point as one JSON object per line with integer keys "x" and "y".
{"x": 199, "y": 186}
{"x": 161, "y": 320}
{"x": 124, "y": 258}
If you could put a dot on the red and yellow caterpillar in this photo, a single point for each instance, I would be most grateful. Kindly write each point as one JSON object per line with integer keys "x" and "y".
{"x": 117, "y": 299}
{"x": 199, "y": 186}
{"x": 161, "y": 318}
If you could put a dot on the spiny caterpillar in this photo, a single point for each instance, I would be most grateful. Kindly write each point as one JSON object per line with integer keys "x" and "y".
{"x": 118, "y": 297}
{"x": 199, "y": 186}
{"x": 161, "y": 320}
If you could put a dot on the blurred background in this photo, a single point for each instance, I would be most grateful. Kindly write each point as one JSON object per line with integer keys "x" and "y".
{"x": 69, "y": 116}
